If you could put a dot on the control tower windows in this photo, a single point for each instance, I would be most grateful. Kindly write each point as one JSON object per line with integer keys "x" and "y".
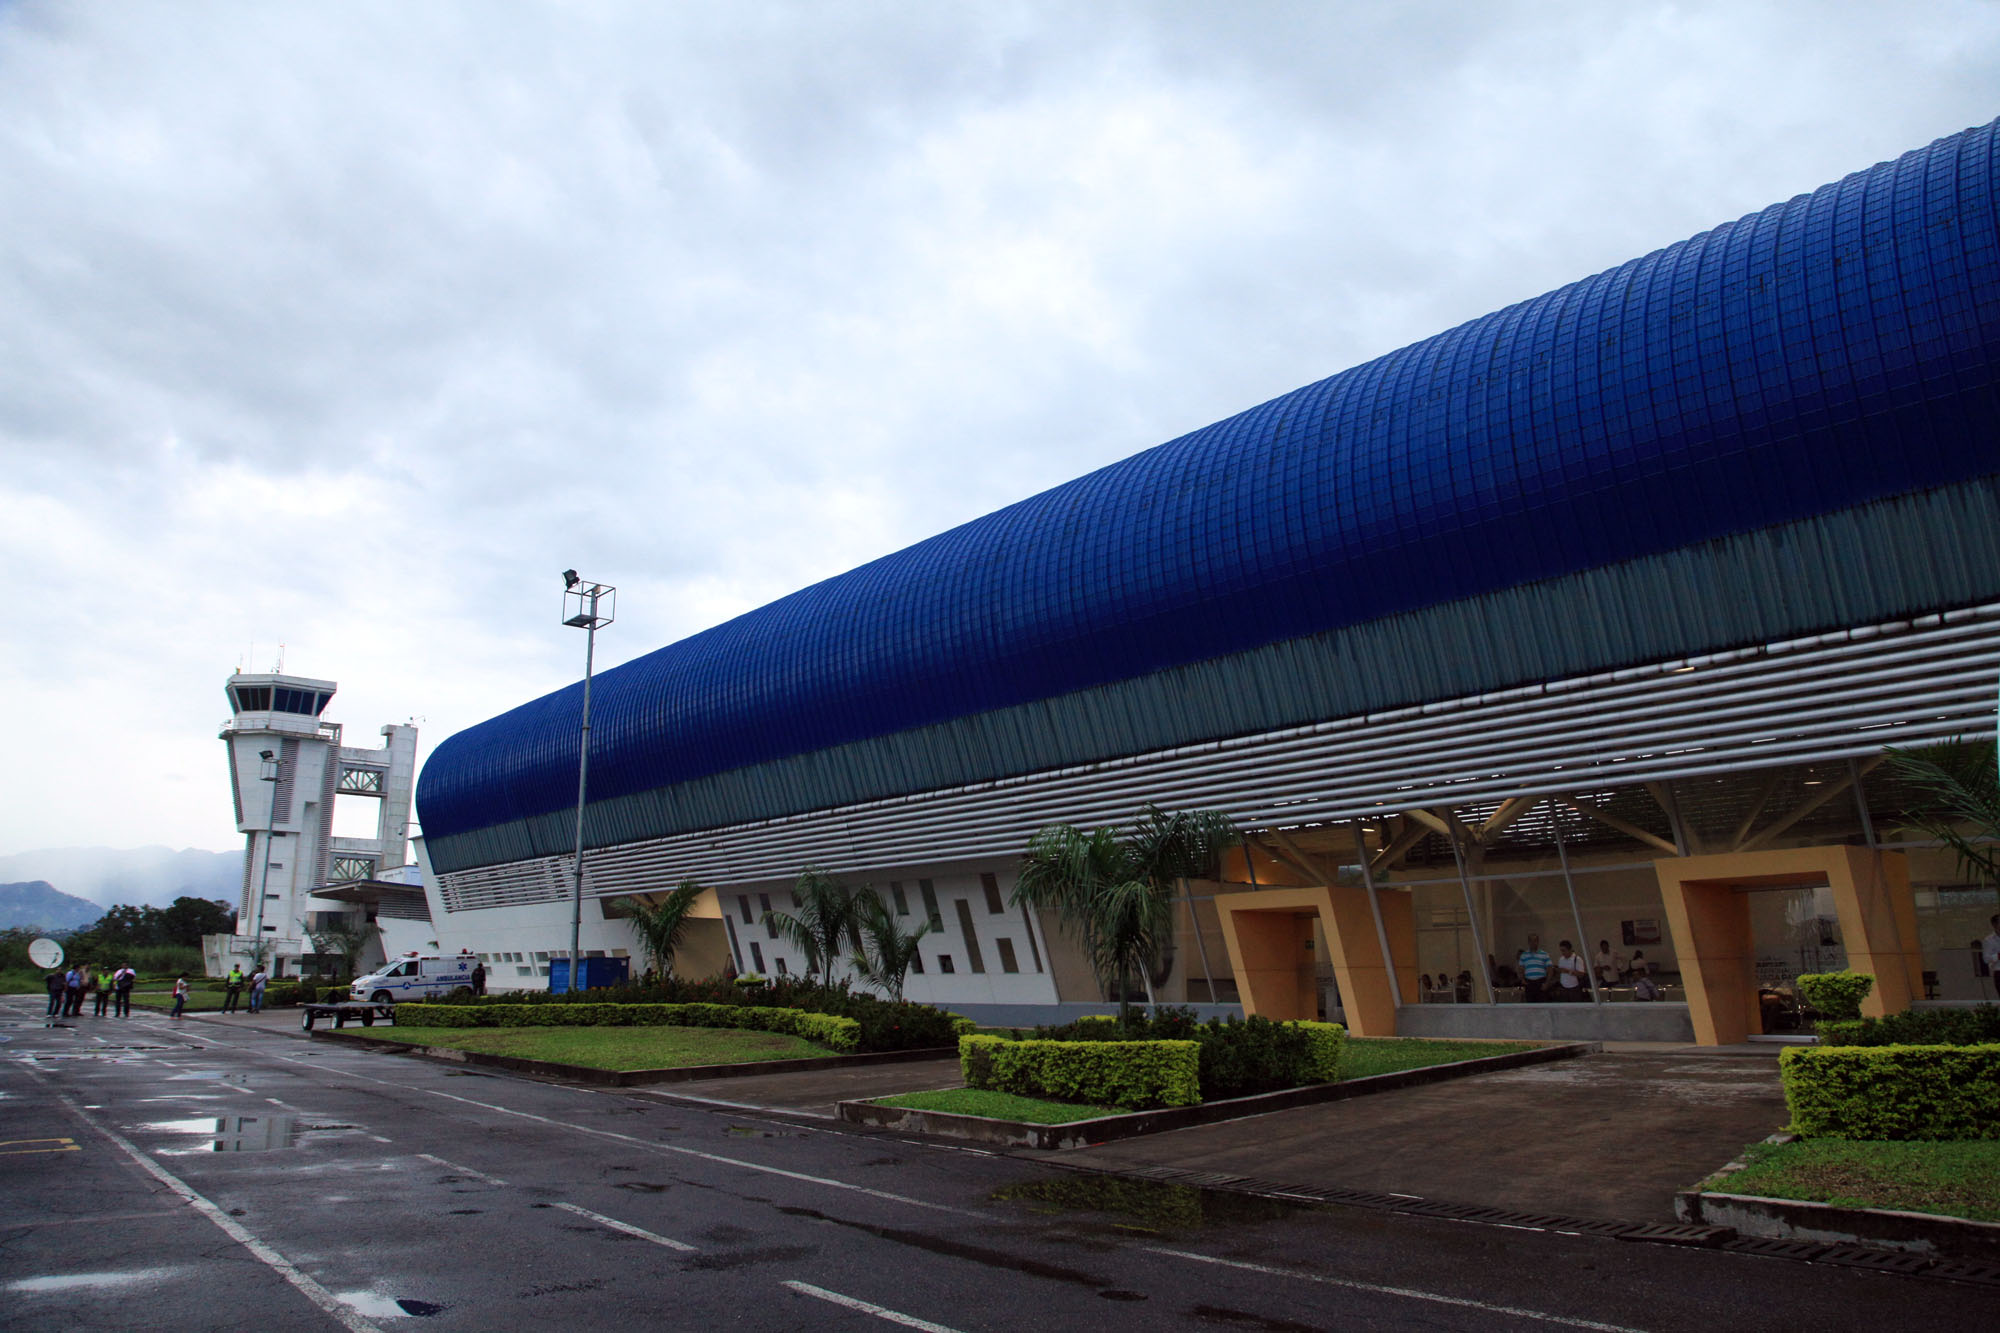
{"x": 280, "y": 699}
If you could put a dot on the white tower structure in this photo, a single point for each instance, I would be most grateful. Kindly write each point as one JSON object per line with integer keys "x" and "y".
{"x": 286, "y": 768}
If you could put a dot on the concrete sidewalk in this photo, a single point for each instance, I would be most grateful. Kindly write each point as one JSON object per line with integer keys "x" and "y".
{"x": 1609, "y": 1136}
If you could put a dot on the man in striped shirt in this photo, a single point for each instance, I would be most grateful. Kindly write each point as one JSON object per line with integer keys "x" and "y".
{"x": 1535, "y": 964}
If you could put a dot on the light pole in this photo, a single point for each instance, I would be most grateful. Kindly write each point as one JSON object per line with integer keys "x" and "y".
{"x": 267, "y": 771}
{"x": 585, "y": 607}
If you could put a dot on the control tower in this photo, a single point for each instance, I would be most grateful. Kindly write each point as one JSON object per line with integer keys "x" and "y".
{"x": 286, "y": 769}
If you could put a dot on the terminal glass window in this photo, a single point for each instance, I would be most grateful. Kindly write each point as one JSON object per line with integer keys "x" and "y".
{"x": 972, "y": 953}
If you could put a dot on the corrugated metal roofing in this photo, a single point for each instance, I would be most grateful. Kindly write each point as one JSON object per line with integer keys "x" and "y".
{"x": 1824, "y": 353}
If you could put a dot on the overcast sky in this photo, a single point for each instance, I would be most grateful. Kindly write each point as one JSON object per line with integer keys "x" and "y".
{"x": 349, "y": 326}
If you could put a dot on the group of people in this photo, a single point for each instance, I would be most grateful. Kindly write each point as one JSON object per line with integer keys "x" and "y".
{"x": 233, "y": 987}
{"x": 107, "y": 989}
{"x": 1567, "y": 975}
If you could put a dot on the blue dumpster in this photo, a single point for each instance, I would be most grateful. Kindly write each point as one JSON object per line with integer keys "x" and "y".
{"x": 597, "y": 973}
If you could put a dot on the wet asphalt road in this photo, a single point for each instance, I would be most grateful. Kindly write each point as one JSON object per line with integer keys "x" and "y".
{"x": 192, "y": 1177}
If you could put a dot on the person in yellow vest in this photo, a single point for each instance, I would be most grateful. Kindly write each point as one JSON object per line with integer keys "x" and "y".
{"x": 103, "y": 991}
{"x": 233, "y": 989}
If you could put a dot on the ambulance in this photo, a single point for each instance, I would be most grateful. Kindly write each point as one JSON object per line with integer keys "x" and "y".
{"x": 416, "y": 976}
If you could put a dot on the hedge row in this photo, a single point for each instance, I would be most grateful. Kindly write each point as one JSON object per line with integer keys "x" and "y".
{"x": 829, "y": 1030}
{"x": 1893, "y": 1092}
{"x": 1135, "y": 1075}
{"x": 1238, "y": 1056}
{"x": 886, "y": 1025}
{"x": 1917, "y": 1027}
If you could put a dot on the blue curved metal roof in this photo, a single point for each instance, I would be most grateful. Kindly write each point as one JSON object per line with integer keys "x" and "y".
{"x": 1820, "y": 354}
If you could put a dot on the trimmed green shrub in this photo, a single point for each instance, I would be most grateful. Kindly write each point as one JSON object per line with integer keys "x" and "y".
{"x": 1239, "y": 1056}
{"x": 1837, "y": 995}
{"x": 1917, "y": 1027}
{"x": 829, "y": 1030}
{"x": 886, "y": 1025}
{"x": 1893, "y": 1092}
{"x": 1135, "y": 1075}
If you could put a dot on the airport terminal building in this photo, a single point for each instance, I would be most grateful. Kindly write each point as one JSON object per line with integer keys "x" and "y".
{"x": 1588, "y": 620}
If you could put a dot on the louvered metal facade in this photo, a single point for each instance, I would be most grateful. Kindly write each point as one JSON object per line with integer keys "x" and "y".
{"x": 1784, "y": 426}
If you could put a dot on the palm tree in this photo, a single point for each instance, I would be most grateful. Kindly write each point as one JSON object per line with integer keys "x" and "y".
{"x": 827, "y": 917}
{"x": 1958, "y": 800}
{"x": 1115, "y": 895}
{"x": 660, "y": 926}
{"x": 887, "y": 950}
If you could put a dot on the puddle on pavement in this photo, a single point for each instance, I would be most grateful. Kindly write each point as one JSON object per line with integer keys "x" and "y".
{"x": 231, "y": 1133}
{"x": 1149, "y": 1205}
{"x": 211, "y": 1076}
{"x": 374, "y": 1305}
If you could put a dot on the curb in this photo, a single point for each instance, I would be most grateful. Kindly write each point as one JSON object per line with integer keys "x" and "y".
{"x": 1921, "y": 1237}
{"x": 1804, "y": 1229}
{"x": 632, "y": 1078}
{"x": 1109, "y": 1129}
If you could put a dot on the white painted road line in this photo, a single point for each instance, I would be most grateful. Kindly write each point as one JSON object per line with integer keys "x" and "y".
{"x": 282, "y": 1266}
{"x": 613, "y": 1135}
{"x": 868, "y": 1307}
{"x": 627, "y": 1228}
{"x": 462, "y": 1170}
{"x": 1407, "y": 1293}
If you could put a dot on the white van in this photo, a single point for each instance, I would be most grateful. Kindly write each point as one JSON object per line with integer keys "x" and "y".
{"x": 416, "y": 976}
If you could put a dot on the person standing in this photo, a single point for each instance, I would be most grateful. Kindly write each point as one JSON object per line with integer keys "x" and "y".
{"x": 1609, "y": 966}
{"x": 73, "y": 992}
{"x": 103, "y": 992}
{"x": 180, "y": 996}
{"x": 55, "y": 985}
{"x": 479, "y": 978}
{"x": 121, "y": 984}
{"x": 1572, "y": 976}
{"x": 1535, "y": 964}
{"x": 232, "y": 988}
{"x": 1989, "y": 950}
{"x": 257, "y": 980}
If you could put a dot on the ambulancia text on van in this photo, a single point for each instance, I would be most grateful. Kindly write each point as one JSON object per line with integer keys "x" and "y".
{"x": 416, "y": 976}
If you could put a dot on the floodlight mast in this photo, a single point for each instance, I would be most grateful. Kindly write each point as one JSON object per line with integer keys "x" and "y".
{"x": 585, "y": 606}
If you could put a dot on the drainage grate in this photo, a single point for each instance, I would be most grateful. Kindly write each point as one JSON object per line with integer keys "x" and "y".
{"x": 1612, "y": 1229}
{"x": 1664, "y": 1234}
{"x": 1967, "y": 1270}
{"x": 1770, "y": 1247}
{"x": 1881, "y": 1261}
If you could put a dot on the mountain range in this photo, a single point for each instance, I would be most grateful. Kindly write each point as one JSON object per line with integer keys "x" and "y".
{"x": 135, "y": 876}
{"x": 37, "y": 905}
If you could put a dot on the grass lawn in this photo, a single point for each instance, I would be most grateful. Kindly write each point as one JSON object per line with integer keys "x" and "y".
{"x": 199, "y": 1002}
{"x": 998, "y": 1105}
{"x": 611, "y": 1048}
{"x": 1958, "y": 1179}
{"x": 1359, "y": 1057}
{"x": 1363, "y": 1056}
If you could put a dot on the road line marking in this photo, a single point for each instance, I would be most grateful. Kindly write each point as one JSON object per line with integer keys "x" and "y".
{"x": 649, "y": 1146}
{"x": 9, "y": 1148}
{"x": 461, "y": 1170}
{"x": 284, "y": 1268}
{"x": 1407, "y": 1293}
{"x": 628, "y": 1228}
{"x": 868, "y": 1307}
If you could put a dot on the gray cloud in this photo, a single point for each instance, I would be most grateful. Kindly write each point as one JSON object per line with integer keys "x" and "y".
{"x": 348, "y": 326}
